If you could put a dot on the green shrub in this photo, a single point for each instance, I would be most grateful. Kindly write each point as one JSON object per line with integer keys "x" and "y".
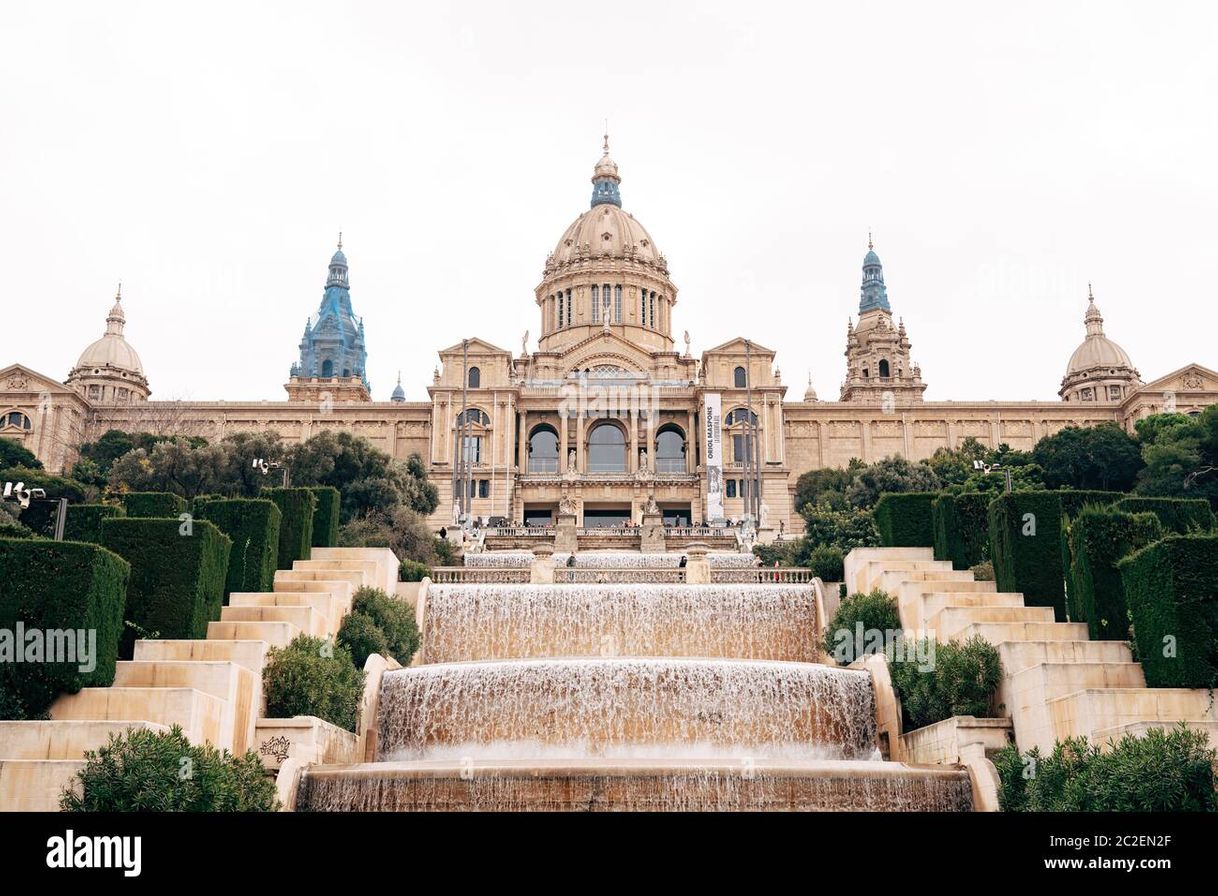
{"x": 1172, "y": 591}
{"x": 161, "y": 505}
{"x": 178, "y": 572}
{"x": 296, "y": 527}
{"x": 40, "y": 516}
{"x": 961, "y": 524}
{"x": 444, "y": 550}
{"x": 827, "y": 563}
{"x": 10, "y": 528}
{"x": 1165, "y": 771}
{"x": 253, "y": 526}
{"x": 84, "y": 521}
{"x": 1180, "y": 515}
{"x": 152, "y": 771}
{"x": 412, "y": 571}
{"x": 983, "y": 572}
{"x": 1098, "y": 539}
{"x": 1074, "y": 500}
{"x": 961, "y": 680}
{"x": 58, "y": 585}
{"x": 395, "y": 618}
{"x": 325, "y": 517}
{"x": 843, "y": 529}
{"x": 848, "y": 635}
{"x": 905, "y": 519}
{"x": 1025, "y": 531}
{"x": 313, "y": 677}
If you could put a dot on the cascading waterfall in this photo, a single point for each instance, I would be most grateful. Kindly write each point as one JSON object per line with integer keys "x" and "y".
{"x": 765, "y": 622}
{"x": 518, "y": 559}
{"x": 626, "y": 697}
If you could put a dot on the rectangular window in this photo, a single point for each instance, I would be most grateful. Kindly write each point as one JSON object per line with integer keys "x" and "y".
{"x": 596, "y": 303}
{"x": 617, "y": 304}
{"x": 484, "y": 488}
{"x": 731, "y": 488}
{"x": 652, "y": 315}
{"x": 740, "y": 449}
{"x": 570, "y": 317}
{"x": 560, "y": 317}
{"x": 643, "y": 307}
{"x": 473, "y": 449}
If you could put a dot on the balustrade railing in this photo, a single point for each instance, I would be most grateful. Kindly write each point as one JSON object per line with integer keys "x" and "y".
{"x": 763, "y": 575}
{"x": 520, "y": 531}
{"x": 479, "y": 575}
{"x": 617, "y": 531}
{"x": 578, "y": 575}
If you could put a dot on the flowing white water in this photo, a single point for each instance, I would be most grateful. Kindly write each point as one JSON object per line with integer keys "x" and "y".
{"x": 517, "y": 559}
{"x": 584, "y": 706}
{"x": 478, "y": 622}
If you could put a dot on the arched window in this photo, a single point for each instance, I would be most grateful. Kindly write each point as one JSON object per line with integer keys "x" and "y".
{"x": 327, "y": 368}
{"x": 884, "y": 368}
{"x": 543, "y": 450}
{"x": 741, "y": 378}
{"x": 475, "y": 378}
{"x": 670, "y": 449}
{"x": 736, "y": 417}
{"x": 606, "y": 449}
{"x": 474, "y": 417}
{"x": 15, "y": 420}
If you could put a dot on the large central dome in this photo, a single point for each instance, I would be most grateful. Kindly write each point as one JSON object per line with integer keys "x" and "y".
{"x": 606, "y": 275}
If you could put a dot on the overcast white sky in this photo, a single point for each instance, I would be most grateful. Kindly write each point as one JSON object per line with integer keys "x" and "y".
{"x": 1003, "y": 156}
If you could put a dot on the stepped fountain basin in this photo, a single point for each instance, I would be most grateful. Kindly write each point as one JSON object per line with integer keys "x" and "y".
{"x": 598, "y": 707}
{"x": 484, "y": 622}
{"x": 634, "y": 785}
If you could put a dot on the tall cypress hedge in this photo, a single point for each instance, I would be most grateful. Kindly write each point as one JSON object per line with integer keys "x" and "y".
{"x": 1179, "y": 515}
{"x": 962, "y": 528}
{"x": 178, "y": 570}
{"x": 325, "y": 517}
{"x": 253, "y": 525}
{"x": 905, "y": 519}
{"x": 1098, "y": 539}
{"x": 1172, "y": 590}
{"x": 1073, "y": 501}
{"x": 84, "y": 521}
{"x": 50, "y": 585}
{"x": 296, "y": 529}
{"x": 160, "y": 505}
{"x": 1026, "y": 548}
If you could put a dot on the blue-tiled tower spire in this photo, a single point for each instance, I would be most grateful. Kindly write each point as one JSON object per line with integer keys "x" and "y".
{"x": 874, "y": 293}
{"x": 605, "y": 181}
{"x": 333, "y": 343}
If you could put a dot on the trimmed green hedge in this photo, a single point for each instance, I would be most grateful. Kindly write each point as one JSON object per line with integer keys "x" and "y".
{"x": 1179, "y": 515}
{"x": 49, "y": 585}
{"x": 905, "y": 519}
{"x": 84, "y": 521}
{"x": 1072, "y": 500}
{"x": 961, "y": 525}
{"x": 1026, "y": 548}
{"x": 161, "y": 505}
{"x": 296, "y": 528}
{"x": 1098, "y": 539}
{"x": 959, "y": 680}
{"x": 325, "y": 517}
{"x": 177, "y": 579}
{"x": 253, "y": 525}
{"x": 1172, "y": 590}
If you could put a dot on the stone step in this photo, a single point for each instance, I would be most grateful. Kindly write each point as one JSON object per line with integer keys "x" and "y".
{"x": 352, "y": 577}
{"x": 34, "y": 785}
{"x": 306, "y": 619}
{"x": 275, "y": 634}
{"x": 914, "y": 613}
{"x": 368, "y": 568}
{"x": 386, "y": 560}
{"x": 1019, "y": 655}
{"x": 233, "y": 684}
{"x": 338, "y": 589}
{"x": 950, "y": 621}
{"x": 1106, "y": 736}
{"x": 332, "y": 607}
{"x": 872, "y": 575}
{"x": 306, "y": 738}
{"x": 247, "y": 654}
{"x": 1002, "y": 632}
{"x": 858, "y": 559}
{"x": 1027, "y": 693}
{"x": 1087, "y": 712}
{"x": 62, "y": 739}
{"x": 200, "y": 715}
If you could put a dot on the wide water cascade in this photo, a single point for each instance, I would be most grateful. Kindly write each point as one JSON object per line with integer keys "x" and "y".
{"x": 626, "y": 697}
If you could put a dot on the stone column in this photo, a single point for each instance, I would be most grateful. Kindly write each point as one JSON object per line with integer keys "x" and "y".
{"x": 697, "y": 568}
{"x": 632, "y": 423}
{"x": 562, "y": 442}
{"x": 690, "y": 451}
{"x": 524, "y": 440}
{"x": 580, "y": 460}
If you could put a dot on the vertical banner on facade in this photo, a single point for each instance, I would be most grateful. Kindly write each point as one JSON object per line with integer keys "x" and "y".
{"x": 712, "y": 415}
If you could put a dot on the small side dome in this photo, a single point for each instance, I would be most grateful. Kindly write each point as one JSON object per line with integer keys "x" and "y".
{"x": 399, "y": 394}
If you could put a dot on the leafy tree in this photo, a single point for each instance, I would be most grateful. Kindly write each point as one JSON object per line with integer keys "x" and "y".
{"x": 368, "y": 478}
{"x": 875, "y": 612}
{"x": 400, "y": 529}
{"x": 842, "y": 529}
{"x": 1103, "y": 457}
{"x": 14, "y": 454}
{"x": 1181, "y": 455}
{"x": 892, "y": 474}
{"x": 174, "y": 466}
{"x": 313, "y": 677}
{"x": 243, "y": 448}
{"x": 826, "y": 486}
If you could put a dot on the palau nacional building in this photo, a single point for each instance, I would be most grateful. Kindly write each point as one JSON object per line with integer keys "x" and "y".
{"x": 611, "y": 411}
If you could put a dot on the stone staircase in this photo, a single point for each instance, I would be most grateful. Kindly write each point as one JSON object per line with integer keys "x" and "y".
{"x": 212, "y": 687}
{"x": 1056, "y": 682}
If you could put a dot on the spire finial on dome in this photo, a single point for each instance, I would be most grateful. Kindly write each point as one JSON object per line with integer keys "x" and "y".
{"x": 870, "y": 244}
{"x": 606, "y": 145}
{"x": 340, "y": 239}
{"x": 1090, "y": 294}
{"x": 118, "y": 296}
{"x": 605, "y": 178}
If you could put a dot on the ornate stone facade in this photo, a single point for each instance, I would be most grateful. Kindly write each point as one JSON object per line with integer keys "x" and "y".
{"x": 608, "y": 413}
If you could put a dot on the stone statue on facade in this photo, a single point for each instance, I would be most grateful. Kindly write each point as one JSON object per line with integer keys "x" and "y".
{"x": 651, "y": 508}
{"x": 566, "y": 506}
{"x": 524, "y": 345}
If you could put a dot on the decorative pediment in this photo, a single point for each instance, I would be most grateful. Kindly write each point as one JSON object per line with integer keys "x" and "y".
{"x": 606, "y": 351}
{"x": 476, "y": 347}
{"x": 737, "y": 347}
{"x": 19, "y": 378}
{"x": 1190, "y": 378}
